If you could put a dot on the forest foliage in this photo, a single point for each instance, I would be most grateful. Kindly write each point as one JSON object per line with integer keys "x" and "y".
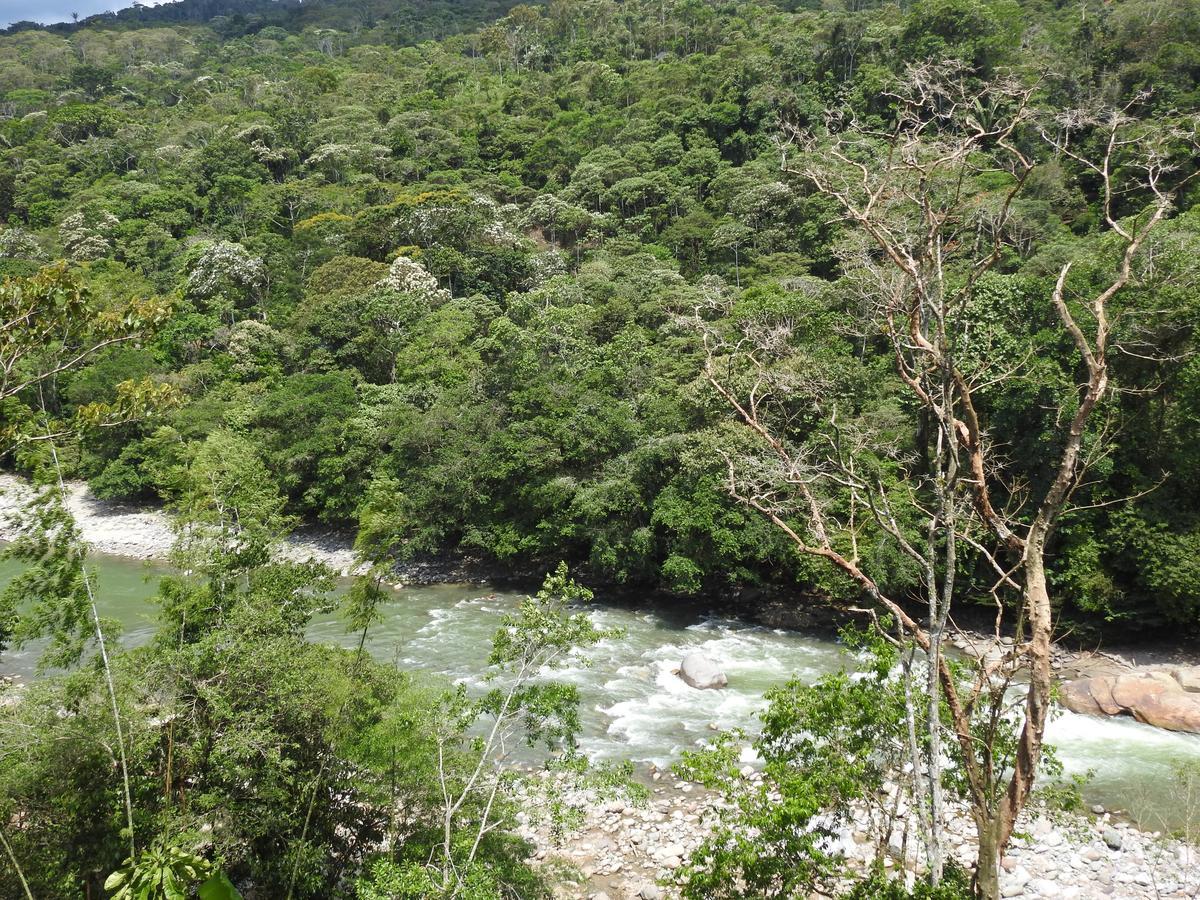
{"x": 456, "y": 278}
{"x": 439, "y": 286}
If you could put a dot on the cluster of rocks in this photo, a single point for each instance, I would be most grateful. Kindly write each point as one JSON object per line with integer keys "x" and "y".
{"x": 625, "y": 851}
{"x": 1066, "y": 663}
{"x": 10, "y": 690}
{"x": 1095, "y": 684}
{"x": 1098, "y": 859}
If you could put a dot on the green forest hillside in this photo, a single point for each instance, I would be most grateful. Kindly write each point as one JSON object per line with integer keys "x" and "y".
{"x": 444, "y": 288}
{"x": 890, "y": 305}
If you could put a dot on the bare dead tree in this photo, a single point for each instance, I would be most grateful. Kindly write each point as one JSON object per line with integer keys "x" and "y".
{"x": 925, "y": 237}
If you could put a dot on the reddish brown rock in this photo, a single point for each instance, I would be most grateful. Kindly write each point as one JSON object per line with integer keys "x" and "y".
{"x": 1155, "y": 698}
{"x": 1188, "y": 678}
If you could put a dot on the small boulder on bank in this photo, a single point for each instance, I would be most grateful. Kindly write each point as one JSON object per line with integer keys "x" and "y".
{"x": 701, "y": 672}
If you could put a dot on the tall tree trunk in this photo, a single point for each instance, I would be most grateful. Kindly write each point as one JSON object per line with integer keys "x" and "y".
{"x": 987, "y": 863}
{"x": 1037, "y": 699}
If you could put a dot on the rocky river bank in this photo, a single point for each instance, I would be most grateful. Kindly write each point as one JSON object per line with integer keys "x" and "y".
{"x": 629, "y": 851}
{"x": 626, "y": 851}
{"x": 145, "y": 532}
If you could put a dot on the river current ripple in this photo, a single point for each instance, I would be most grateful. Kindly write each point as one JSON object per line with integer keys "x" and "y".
{"x": 636, "y": 708}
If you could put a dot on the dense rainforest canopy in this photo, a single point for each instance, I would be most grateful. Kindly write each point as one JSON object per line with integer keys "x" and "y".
{"x": 432, "y": 264}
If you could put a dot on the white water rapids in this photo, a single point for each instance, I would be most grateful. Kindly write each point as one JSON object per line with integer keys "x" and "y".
{"x": 635, "y": 708}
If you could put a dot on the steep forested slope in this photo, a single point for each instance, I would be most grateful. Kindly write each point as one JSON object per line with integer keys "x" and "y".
{"x": 440, "y": 284}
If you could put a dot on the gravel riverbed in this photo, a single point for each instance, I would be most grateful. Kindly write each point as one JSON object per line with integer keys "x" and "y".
{"x": 145, "y": 532}
{"x": 625, "y": 851}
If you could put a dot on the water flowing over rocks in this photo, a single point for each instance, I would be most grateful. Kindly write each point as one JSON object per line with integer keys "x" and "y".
{"x": 628, "y": 852}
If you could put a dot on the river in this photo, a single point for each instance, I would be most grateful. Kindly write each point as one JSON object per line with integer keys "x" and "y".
{"x": 635, "y": 708}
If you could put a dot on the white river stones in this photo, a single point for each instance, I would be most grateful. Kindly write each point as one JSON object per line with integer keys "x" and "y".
{"x": 145, "y": 532}
{"x": 629, "y": 852}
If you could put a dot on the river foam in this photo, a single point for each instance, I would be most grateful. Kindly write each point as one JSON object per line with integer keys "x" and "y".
{"x": 635, "y": 707}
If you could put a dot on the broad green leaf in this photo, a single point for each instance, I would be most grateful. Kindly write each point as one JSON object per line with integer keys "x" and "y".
{"x": 218, "y": 887}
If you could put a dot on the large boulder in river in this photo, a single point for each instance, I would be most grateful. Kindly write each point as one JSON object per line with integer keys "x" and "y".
{"x": 1154, "y": 697}
{"x": 701, "y": 672}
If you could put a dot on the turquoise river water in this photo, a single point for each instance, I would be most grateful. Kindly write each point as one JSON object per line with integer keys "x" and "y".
{"x": 635, "y": 708}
